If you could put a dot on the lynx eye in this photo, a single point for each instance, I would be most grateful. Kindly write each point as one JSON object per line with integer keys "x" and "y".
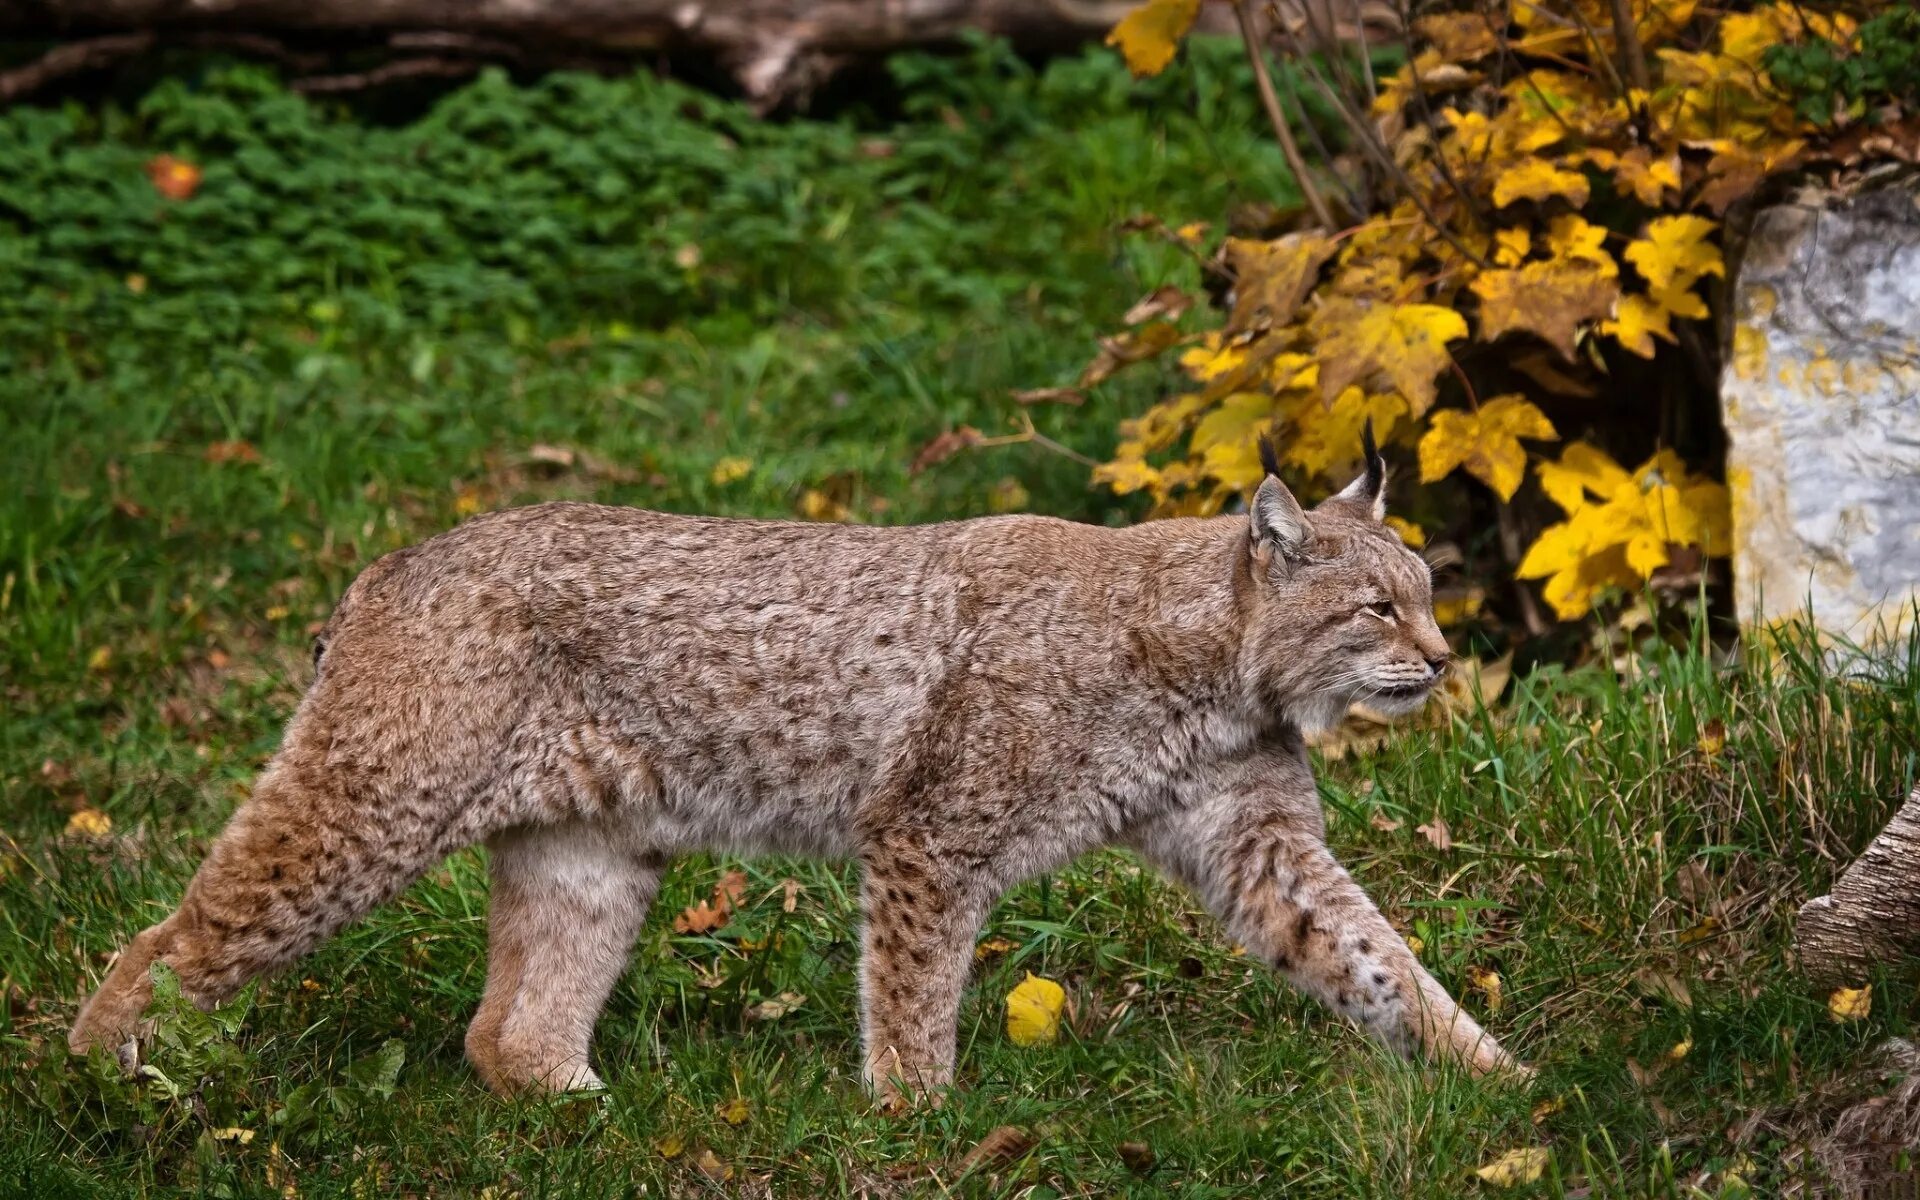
{"x": 1382, "y": 609}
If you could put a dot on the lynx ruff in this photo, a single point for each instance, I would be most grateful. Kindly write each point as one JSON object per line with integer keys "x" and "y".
{"x": 591, "y": 691}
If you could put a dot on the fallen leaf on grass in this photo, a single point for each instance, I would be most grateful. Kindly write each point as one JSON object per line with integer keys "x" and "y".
{"x": 1680, "y": 1050}
{"x": 709, "y": 915}
{"x": 1713, "y": 738}
{"x": 1488, "y": 984}
{"x": 998, "y": 1148}
{"x": 233, "y": 1134}
{"x": 1546, "y": 1108}
{"x": 1662, "y": 986}
{"x": 710, "y": 1165}
{"x": 734, "y": 1111}
{"x": 730, "y": 470}
{"x": 1516, "y": 1167}
{"x": 1846, "y": 1004}
{"x": 993, "y": 946}
{"x": 1435, "y": 831}
{"x": 670, "y": 1146}
{"x": 234, "y": 451}
{"x": 1383, "y": 822}
{"x": 89, "y": 823}
{"x": 774, "y": 1009}
{"x": 1033, "y": 1011}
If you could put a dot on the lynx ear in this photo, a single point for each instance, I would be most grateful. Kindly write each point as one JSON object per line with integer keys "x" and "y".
{"x": 1277, "y": 518}
{"x": 1369, "y": 491}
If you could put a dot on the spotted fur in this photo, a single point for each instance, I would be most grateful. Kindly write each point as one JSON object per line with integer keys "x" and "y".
{"x": 591, "y": 691}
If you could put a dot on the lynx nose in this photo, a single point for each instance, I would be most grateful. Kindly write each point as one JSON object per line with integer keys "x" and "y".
{"x": 1438, "y": 666}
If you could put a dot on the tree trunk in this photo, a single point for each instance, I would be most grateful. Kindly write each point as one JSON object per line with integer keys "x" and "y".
{"x": 1872, "y": 918}
{"x": 776, "y": 49}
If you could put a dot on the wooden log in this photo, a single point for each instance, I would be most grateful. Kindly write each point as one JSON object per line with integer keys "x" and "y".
{"x": 1871, "y": 920}
{"x": 776, "y": 49}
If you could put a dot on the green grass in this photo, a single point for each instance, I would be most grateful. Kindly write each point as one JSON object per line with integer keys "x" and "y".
{"x": 155, "y": 608}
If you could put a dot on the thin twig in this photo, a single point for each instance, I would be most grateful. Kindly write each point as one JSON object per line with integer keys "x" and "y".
{"x": 1627, "y": 38}
{"x": 1369, "y": 140}
{"x": 1269, "y": 100}
{"x": 71, "y": 59}
{"x": 1510, "y": 548}
{"x": 405, "y": 68}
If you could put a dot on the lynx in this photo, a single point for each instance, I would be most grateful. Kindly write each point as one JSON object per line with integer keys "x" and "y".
{"x": 591, "y": 691}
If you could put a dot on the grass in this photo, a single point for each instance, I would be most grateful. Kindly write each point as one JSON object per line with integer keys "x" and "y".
{"x": 186, "y": 502}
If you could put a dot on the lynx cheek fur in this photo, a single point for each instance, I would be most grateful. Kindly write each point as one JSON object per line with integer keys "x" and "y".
{"x": 591, "y": 691}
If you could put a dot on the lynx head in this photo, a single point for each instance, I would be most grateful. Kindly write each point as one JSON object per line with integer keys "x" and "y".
{"x": 1342, "y": 610}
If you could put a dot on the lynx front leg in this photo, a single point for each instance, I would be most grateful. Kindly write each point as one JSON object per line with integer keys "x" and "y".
{"x": 1282, "y": 895}
{"x": 921, "y": 920}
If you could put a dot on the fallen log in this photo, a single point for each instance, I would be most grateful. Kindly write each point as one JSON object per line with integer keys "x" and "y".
{"x": 1871, "y": 920}
{"x": 776, "y": 50}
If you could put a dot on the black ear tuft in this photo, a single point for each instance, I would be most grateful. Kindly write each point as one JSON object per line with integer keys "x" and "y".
{"x": 1376, "y": 465}
{"x": 1269, "y": 457}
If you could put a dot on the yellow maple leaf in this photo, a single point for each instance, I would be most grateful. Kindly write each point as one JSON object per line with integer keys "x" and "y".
{"x": 1127, "y": 475}
{"x": 1407, "y": 343}
{"x": 1619, "y": 526}
{"x": 1213, "y": 357}
{"x": 1850, "y": 1004}
{"x": 1516, "y": 1167}
{"x": 1033, "y": 1011}
{"x": 1583, "y": 468}
{"x": 1551, "y": 300}
{"x": 729, "y": 470}
{"x": 816, "y": 505}
{"x": 1327, "y": 436}
{"x": 1647, "y": 178}
{"x": 1538, "y": 179}
{"x": 1410, "y": 533}
{"x": 1149, "y": 35}
{"x": 1674, "y": 252}
{"x": 735, "y": 1111}
{"x": 1272, "y": 278}
{"x": 1636, "y": 321}
{"x": 1484, "y": 442}
{"x": 1510, "y": 246}
{"x": 1571, "y": 236}
{"x": 1488, "y": 984}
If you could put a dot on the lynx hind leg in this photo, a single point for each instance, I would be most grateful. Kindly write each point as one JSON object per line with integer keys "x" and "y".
{"x": 567, "y": 903}
{"x": 921, "y": 918}
{"x": 1281, "y": 894}
{"x": 299, "y": 860}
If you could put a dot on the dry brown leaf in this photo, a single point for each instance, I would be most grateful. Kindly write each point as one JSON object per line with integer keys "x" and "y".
{"x": 1383, "y": 822}
{"x": 234, "y": 451}
{"x": 709, "y": 915}
{"x": 1435, "y": 831}
{"x": 1050, "y": 395}
{"x": 1271, "y": 279}
{"x": 1000, "y": 1147}
{"x": 1551, "y": 300}
{"x": 1164, "y": 301}
{"x": 943, "y": 447}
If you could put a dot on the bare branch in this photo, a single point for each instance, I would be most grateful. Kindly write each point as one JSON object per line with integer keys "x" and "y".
{"x": 1270, "y": 101}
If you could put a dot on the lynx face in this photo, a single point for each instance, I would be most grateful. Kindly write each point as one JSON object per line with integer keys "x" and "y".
{"x": 1345, "y": 609}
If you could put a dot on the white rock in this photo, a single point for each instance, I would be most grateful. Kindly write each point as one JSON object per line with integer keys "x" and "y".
{"x": 1821, "y": 399}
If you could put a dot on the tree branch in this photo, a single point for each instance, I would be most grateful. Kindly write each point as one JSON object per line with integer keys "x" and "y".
{"x": 1270, "y": 101}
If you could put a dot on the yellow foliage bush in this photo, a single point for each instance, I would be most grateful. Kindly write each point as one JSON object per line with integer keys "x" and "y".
{"x": 1549, "y": 183}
